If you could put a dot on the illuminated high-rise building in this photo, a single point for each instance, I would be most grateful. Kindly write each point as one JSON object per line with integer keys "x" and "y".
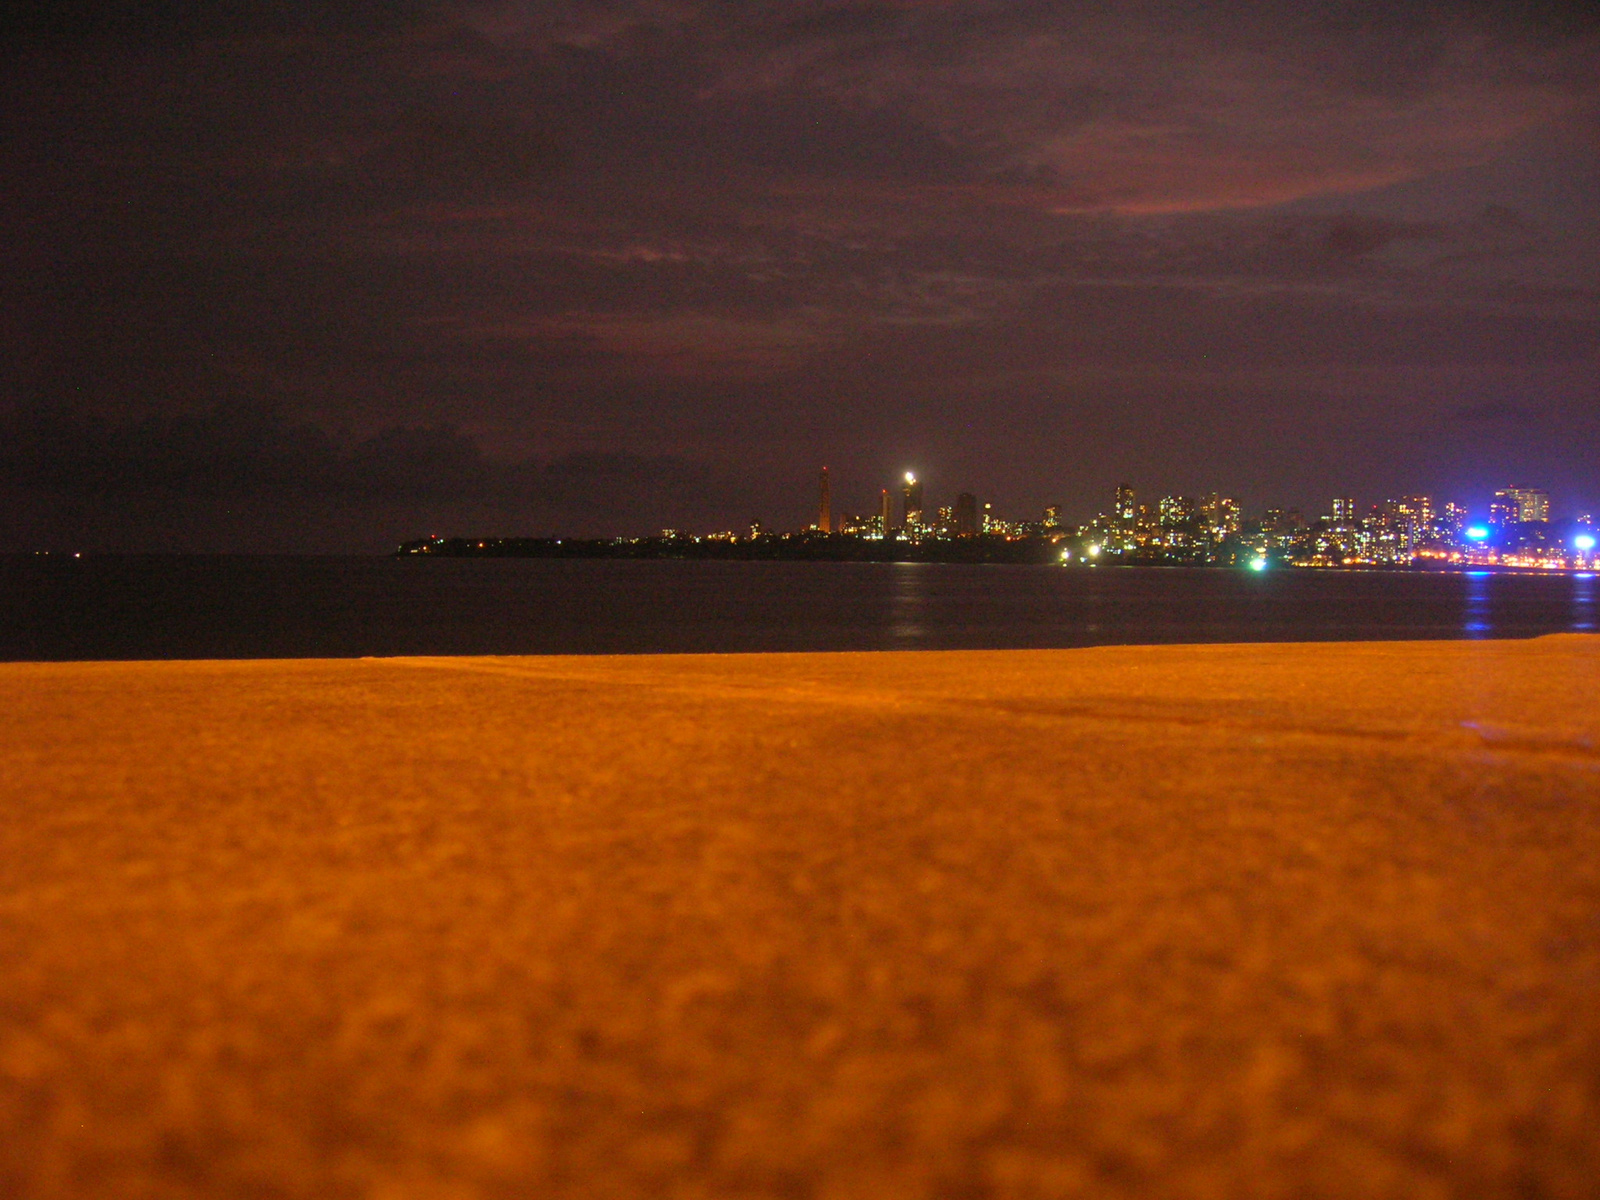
{"x": 825, "y": 506}
{"x": 966, "y": 515}
{"x": 1513, "y": 504}
{"x": 1533, "y": 504}
{"x": 1417, "y": 509}
{"x": 1220, "y": 514}
{"x": 1052, "y": 517}
{"x": 912, "y": 492}
{"x": 1126, "y": 508}
{"x": 1408, "y": 520}
{"x": 886, "y": 524}
{"x": 1175, "y": 510}
{"x": 1344, "y": 510}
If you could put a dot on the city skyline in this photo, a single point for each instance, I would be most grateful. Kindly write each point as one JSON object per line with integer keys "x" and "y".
{"x": 1511, "y": 504}
{"x": 1208, "y": 530}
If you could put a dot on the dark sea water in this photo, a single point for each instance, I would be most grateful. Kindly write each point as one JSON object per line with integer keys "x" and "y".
{"x": 203, "y": 607}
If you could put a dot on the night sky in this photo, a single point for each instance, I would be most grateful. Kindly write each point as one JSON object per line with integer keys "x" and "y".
{"x": 281, "y": 275}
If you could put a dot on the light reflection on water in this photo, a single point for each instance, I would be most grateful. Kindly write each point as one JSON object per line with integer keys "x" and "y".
{"x": 1476, "y": 623}
{"x": 1478, "y": 618}
{"x": 1583, "y": 602}
{"x": 908, "y": 602}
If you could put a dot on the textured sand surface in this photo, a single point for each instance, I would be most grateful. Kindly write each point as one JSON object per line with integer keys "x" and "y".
{"x": 1249, "y": 921}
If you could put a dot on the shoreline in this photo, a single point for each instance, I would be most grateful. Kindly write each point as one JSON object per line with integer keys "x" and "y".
{"x": 69, "y": 556}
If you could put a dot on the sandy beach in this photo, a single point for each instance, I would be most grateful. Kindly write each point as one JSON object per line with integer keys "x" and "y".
{"x": 1228, "y": 921}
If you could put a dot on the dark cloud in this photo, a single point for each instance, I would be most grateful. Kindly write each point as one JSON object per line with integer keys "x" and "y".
{"x": 992, "y": 237}
{"x": 74, "y": 26}
{"x": 1497, "y": 412}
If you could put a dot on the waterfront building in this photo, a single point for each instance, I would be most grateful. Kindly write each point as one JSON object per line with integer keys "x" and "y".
{"x": 1220, "y": 515}
{"x": 1176, "y": 511}
{"x": 1512, "y": 505}
{"x": 1451, "y": 520}
{"x": 886, "y": 524}
{"x": 1418, "y": 510}
{"x": 825, "y": 506}
{"x": 912, "y": 493}
{"x": 966, "y": 519}
{"x": 1533, "y": 504}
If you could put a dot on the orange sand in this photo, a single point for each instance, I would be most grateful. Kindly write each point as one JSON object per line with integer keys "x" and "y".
{"x": 1247, "y": 921}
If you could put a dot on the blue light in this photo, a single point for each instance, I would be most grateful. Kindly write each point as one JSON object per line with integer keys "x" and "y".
{"x": 1584, "y": 542}
{"x": 1478, "y": 533}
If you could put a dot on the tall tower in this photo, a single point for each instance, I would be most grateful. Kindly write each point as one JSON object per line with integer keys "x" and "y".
{"x": 966, "y": 515}
{"x": 825, "y": 508}
{"x": 1126, "y": 509}
{"x": 913, "y": 499}
{"x": 886, "y": 513}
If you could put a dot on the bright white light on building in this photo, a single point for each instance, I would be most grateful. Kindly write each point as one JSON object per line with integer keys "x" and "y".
{"x": 1066, "y": 554}
{"x": 1478, "y": 533}
{"x": 910, "y": 478}
{"x": 1258, "y": 564}
{"x": 1584, "y": 542}
{"x": 1094, "y": 551}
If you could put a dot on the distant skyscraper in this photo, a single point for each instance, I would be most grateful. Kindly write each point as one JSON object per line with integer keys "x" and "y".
{"x": 886, "y": 524}
{"x": 1533, "y": 504}
{"x": 1126, "y": 510}
{"x": 1408, "y": 519}
{"x": 1220, "y": 514}
{"x": 966, "y": 515}
{"x": 913, "y": 499}
{"x": 1275, "y": 520}
{"x": 1419, "y": 509}
{"x": 1052, "y": 517}
{"x": 1514, "y": 504}
{"x": 1176, "y": 510}
{"x": 825, "y": 507}
{"x": 1344, "y": 511}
